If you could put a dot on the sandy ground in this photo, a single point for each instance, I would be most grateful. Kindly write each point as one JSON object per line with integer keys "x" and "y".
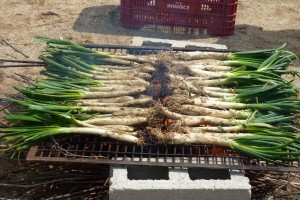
{"x": 260, "y": 24}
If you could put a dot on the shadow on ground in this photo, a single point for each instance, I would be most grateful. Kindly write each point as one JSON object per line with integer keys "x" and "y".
{"x": 105, "y": 20}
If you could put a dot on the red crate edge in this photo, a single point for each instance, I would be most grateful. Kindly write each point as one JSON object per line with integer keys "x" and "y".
{"x": 216, "y": 16}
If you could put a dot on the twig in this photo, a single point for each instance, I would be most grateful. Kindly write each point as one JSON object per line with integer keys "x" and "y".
{"x": 6, "y": 199}
{"x": 26, "y": 78}
{"x": 50, "y": 13}
{"x": 5, "y": 42}
{"x": 76, "y": 193}
{"x": 12, "y": 56}
{"x": 4, "y": 107}
{"x": 252, "y": 116}
{"x": 3, "y": 124}
{"x": 105, "y": 183}
{"x": 15, "y": 78}
{"x": 30, "y": 191}
{"x": 70, "y": 180}
{"x": 4, "y": 146}
{"x": 67, "y": 153}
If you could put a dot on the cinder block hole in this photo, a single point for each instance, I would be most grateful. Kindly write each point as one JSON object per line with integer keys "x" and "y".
{"x": 208, "y": 174}
{"x": 156, "y": 44}
{"x": 147, "y": 173}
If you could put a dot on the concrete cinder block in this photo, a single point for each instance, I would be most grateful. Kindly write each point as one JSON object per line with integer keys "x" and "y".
{"x": 144, "y": 41}
{"x": 159, "y": 183}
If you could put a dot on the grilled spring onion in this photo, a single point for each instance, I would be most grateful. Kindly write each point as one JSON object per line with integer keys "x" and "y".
{"x": 275, "y": 149}
{"x": 24, "y": 137}
{"x": 282, "y": 145}
{"x": 253, "y": 93}
{"x": 194, "y": 110}
{"x": 69, "y": 95}
{"x": 70, "y": 48}
{"x": 31, "y": 105}
{"x": 42, "y": 116}
{"x": 198, "y": 55}
{"x": 209, "y": 120}
{"x": 243, "y": 79}
{"x": 124, "y": 101}
{"x": 257, "y": 60}
{"x": 249, "y": 127}
{"x": 196, "y": 70}
{"x": 39, "y": 123}
{"x": 89, "y": 70}
{"x": 47, "y": 84}
{"x": 52, "y": 65}
{"x": 290, "y": 106}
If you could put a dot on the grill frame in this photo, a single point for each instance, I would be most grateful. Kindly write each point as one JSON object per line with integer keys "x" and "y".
{"x": 53, "y": 151}
{"x": 96, "y": 150}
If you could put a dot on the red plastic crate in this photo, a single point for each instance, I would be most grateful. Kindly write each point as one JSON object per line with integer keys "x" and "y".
{"x": 216, "y": 16}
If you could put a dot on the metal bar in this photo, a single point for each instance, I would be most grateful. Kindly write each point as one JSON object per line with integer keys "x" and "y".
{"x": 156, "y": 48}
{"x": 153, "y": 154}
{"x": 23, "y": 65}
{"x": 22, "y": 61}
{"x": 169, "y": 164}
{"x": 32, "y": 152}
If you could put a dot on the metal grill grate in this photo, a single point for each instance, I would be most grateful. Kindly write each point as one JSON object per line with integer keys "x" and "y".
{"x": 91, "y": 149}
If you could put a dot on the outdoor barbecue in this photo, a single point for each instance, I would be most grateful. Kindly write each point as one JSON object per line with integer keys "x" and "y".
{"x": 149, "y": 99}
{"x": 233, "y": 100}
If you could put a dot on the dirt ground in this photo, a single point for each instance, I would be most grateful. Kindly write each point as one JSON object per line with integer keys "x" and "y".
{"x": 259, "y": 24}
